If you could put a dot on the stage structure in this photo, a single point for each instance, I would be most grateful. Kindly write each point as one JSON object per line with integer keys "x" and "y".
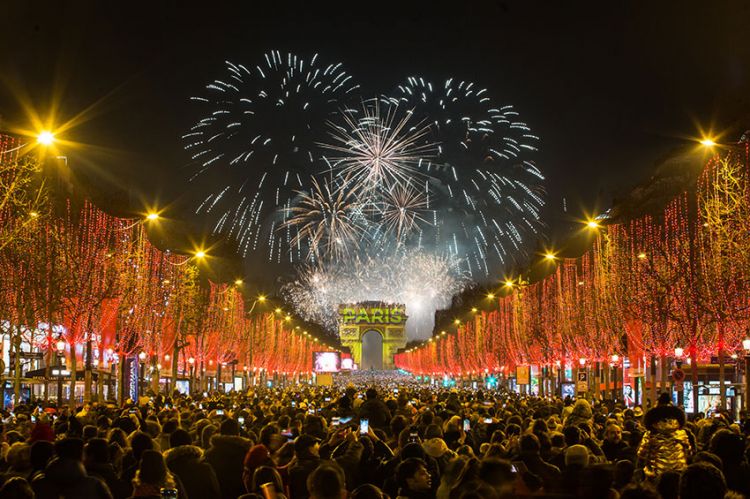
{"x": 373, "y": 331}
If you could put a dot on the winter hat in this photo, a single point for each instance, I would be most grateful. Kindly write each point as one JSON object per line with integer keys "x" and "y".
{"x": 435, "y": 447}
{"x": 152, "y": 469}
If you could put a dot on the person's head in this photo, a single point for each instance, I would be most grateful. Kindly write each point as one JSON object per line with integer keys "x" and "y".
{"x": 639, "y": 491}
{"x": 180, "y": 437}
{"x": 497, "y": 473}
{"x": 41, "y": 452}
{"x": 664, "y": 399}
{"x": 613, "y": 434}
{"x": 16, "y": 488}
{"x": 89, "y": 432}
{"x": 669, "y": 485}
{"x": 412, "y": 474}
{"x": 367, "y": 491}
{"x": 624, "y": 471}
{"x": 371, "y": 394}
{"x": 327, "y": 482}
{"x": 140, "y": 442}
{"x": 729, "y": 446}
{"x": 306, "y": 446}
{"x": 398, "y": 424}
{"x": 577, "y": 455}
{"x": 69, "y": 448}
{"x": 96, "y": 451}
{"x": 529, "y": 444}
{"x": 572, "y": 435}
{"x": 229, "y": 427}
{"x": 19, "y": 456}
{"x": 152, "y": 470}
{"x": 702, "y": 481}
{"x": 267, "y": 434}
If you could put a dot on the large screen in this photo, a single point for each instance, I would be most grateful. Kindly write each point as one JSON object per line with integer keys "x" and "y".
{"x": 326, "y": 362}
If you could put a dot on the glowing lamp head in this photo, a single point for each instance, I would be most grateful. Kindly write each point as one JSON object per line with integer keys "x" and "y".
{"x": 641, "y": 256}
{"x": 549, "y": 256}
{"x": 490, "y": 296}
{"x": 261, "y": 298}
{"x": 278, "y": 310}
{"x": 475, "y": 309}
{"x": 191, "y": 361}
{"x": 746, "y": 345}
{"x": 508, "y": 283}
{"x": 708, "y": 142}
{"x": 34, "y": 214}
{"x": 456, "y": 322}
{"x": 167, "y": 357}
{"x": 592, "y": 224}
{"x": 582, "y": 361}
{"x": 615, "y": 358}
{"x": 152, "y": 216}
{"x": 678, "y": 352}
{"x": 45, "y": 137}
{"x": 238, "y": 282}
{"x": 200, "y": 254}
{"x": 60, "y": 345}
{"x": 142, "y": 356}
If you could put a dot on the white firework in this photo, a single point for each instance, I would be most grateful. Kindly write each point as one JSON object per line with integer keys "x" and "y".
{"x": 378, "y": 150}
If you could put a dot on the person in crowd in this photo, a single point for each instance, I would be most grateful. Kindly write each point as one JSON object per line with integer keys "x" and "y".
{"x": 153, "y": 477}
{"x": 327, "y": 482}
{"x": 226, "y": 456}
{"x": 702, "y": 481}
{"x": 375, "y": 410}
{"x": 65, "y": 475}
{"x": 614, "y": 447}
{"x": 185, "y": 461}
{"x": 665, "y": 445}
{"x": 414, "y": 481}
{"x": 306, "y": 449}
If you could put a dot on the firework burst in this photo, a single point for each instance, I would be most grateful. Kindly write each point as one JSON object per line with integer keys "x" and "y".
{"x": 328, "y": 220}
{"x": 378, "y": 150}
{"x": 255, "y": 145}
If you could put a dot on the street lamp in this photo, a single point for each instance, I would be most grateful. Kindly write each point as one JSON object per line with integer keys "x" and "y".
{"x": 191, "y": 361}
{"x": 746, "y": 348}
{"x": 142, "y": 381}
{"x": 615, "y": 359}
{"x": 45, "y": 137}
{"x": 60, "y": 346}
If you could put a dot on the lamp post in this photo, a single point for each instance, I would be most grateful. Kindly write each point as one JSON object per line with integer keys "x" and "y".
{"x": 60, "y": 346}
{"x": 582, "y": 369}
{"x": 746, "y": 348}
{"x": 615, "y": 360}
{"x": 142, "y": 372}
{"x": 678, "y": 353}
{"x": 191, "y": 361}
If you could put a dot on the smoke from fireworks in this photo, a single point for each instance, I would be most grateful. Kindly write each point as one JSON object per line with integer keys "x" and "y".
{"x": 421, "y": 281}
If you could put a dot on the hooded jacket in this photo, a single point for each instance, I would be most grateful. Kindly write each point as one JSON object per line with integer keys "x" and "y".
{"x": 226, "y": 456}
{"x": 198, "y": 477}
{"x": 665, "y": 445}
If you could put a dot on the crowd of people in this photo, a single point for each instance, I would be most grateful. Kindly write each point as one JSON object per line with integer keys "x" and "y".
{"x": 371, "y": 436}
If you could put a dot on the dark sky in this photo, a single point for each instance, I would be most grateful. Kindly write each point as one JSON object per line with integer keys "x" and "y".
{"x": 609, "y": 86}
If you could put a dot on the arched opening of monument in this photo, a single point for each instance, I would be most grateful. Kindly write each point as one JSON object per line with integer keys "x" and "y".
{"x": 372, "y": 350}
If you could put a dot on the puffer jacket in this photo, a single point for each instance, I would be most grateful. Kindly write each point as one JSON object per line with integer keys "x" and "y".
{"x": 666, "y": 445}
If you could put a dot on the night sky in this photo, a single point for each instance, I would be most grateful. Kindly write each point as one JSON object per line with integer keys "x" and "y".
{"x": 609, "y": 86}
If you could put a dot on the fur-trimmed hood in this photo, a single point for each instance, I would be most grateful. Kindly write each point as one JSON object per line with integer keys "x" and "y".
{"x": 183, "y": 452}
{"x": 664, "y": 417}
{"x": 231, "y": 441}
